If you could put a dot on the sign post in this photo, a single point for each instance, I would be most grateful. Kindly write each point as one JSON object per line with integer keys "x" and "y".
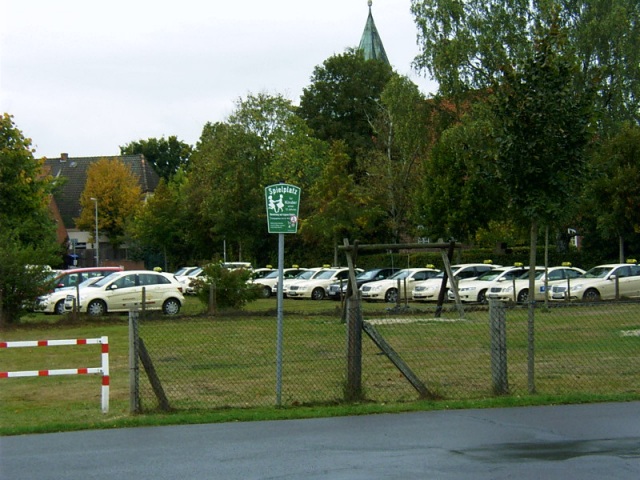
{"x": 283, "y": 204}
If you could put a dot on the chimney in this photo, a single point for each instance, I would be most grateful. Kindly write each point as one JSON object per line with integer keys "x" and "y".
{"x": 64, "y": 157}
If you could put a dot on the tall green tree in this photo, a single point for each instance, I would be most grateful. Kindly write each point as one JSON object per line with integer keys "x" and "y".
{"x": 612, "y": 195}
{"x": 166, "y": 155}
{"x": 163, "y": 222}
{"x": 341, "y": 101}
{"x": 393, "y": 169}
{"x": 339, "y": 207}
{"x": 465, "y": 44}
{"x": 459, "y": 191}
{"x": 27, "y": 230}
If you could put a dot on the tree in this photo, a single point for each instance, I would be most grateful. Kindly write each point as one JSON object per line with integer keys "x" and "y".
{"x": 342, "y": 100}
{"x": 466, "y": 44}
{"x": 163, "y": 222}
{"x": 459, "y": 193}
{"x": 339, "y": 207}
{"x": 118, "y": 195}
{"x": 27, "y": 230}
{"x": 165, "y": 155}
{"x": 613, "y": 194}
{"x": 393, "y": 170}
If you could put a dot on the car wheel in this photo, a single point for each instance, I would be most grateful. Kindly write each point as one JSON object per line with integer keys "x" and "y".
{"x": 171, "y": 306}
{"x": 59, "y": 308}
{"x": 523, "y": 296}
{"x": 317, "y": 293}
{"x": 482, "y": 296}
{"x": 591, "y": 295}
{"x": 96, "y": 308}
{"x": 391, "y": 296}
{"x": 266, "y": 292}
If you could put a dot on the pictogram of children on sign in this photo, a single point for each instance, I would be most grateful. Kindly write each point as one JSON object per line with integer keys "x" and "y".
{"x": 276, "y": 206}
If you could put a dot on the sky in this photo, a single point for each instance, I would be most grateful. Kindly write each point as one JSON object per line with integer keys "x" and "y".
{"x": 85, "y": 78}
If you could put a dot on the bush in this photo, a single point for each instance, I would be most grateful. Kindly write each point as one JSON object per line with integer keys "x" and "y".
{"x": 232, "y": 287}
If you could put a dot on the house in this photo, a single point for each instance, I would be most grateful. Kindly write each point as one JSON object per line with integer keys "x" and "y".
{"x": 67, "y": 203}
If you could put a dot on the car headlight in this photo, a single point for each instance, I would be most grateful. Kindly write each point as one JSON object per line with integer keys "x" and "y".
{"x": 467, "y": 289}
{"x": 507, "y": 289}
{"x": 575, "y": 288}
{"x": 303, "y": 288}
{"x": 376, "y": 288}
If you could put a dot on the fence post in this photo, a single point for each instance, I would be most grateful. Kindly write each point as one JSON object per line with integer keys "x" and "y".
{"x": 353, "y": 388}
{"x": 134, "y": 369}
{"x": 498, "y": 333}
{"x": 212, "y": 298}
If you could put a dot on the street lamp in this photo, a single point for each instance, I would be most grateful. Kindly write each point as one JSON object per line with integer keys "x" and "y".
{"x": 95, "y": 200}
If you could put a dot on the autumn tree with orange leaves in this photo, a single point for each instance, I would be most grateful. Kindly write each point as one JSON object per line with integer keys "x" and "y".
{"x": 119, "y": 196}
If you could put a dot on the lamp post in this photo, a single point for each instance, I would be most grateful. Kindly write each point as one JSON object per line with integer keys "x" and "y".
{"x": 97, "y": 240}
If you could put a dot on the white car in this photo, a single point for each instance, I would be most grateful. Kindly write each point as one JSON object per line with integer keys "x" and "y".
{"x": 316, "y": 287}
{"x": 599, "y": 283}
{"x": 387, "y": 289}
{"x": 476, "y": 290}
{"x": 306, "y": 275}
{"x": 53, "y": 302}
{"x": 518, "y": 290}
{"x": 429, "y": 290}
{"x": 269, "y": 281}
{"x": 123, "y": 291}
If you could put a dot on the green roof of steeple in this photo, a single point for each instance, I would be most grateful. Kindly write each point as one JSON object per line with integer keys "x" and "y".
{"x": 370, "y": 43}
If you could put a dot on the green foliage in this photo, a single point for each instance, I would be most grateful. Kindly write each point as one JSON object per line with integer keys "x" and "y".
{"x": 165, "y": 155}
{"x": 27, "y": 230}
{"x": 465, "y": 45}
{"x": 612, "y": 195}
{"x": 342, "y": 99}
{"x": 232, "y": 287}
{"x": 541, "y": 128}
{"x": 163, "y": 223}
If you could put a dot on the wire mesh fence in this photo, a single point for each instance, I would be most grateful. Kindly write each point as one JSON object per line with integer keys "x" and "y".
{"x": 215, "y": 362}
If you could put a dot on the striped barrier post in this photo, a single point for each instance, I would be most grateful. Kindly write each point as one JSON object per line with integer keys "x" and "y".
{"x": 103, "y": 369}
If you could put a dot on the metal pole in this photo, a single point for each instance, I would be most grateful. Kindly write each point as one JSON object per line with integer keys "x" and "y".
{"x": 280, "y": 297}
{"x": 95, "y": 200}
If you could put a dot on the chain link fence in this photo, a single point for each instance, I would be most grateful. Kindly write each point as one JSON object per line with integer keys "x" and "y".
{"x": 212, "y": 362}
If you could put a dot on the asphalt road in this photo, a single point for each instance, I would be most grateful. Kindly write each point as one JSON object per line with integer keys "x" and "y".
{"x": 596, "y": 441}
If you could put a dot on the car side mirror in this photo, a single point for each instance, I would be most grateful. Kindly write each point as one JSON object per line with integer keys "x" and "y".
{"x": 113, "y": 286}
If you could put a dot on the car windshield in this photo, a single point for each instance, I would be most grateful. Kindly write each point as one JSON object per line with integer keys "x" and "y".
{"x": 400, "y": 275}
{"x": 184, "y": 271}
{"x": 525, "y": 275}
{"x": 597, "y": 272}
{"x": 106, "y": 279}
{"x": 367, "y": 275}
{"x": 324, "y": 274}
{"x": 273, "y": 274}
{"x": 306, "y": 274}
{"x": 491, "y": 275}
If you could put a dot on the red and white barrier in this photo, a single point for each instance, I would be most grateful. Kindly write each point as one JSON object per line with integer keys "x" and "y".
{"x": 103, "y": 369}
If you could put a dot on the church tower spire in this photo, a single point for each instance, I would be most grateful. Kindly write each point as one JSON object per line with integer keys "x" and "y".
{"x": 371, "y": 43}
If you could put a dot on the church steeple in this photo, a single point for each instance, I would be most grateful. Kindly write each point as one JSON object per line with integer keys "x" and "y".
{"x": 370, "y": 43}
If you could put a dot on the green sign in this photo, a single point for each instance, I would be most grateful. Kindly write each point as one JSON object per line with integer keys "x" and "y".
{"x": 283, "y": 202}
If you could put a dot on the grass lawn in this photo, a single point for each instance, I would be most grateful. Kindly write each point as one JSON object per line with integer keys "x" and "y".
{"x": 581, "y": 356}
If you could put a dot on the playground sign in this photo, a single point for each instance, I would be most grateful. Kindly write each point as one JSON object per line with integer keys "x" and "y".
{"x": 283, "y": 203}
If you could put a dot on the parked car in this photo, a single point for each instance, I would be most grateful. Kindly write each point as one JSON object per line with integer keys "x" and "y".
{"x": 184, "y": 271}
{"x": 518, "y": 289}
{"x": 316, "y": 287}
{"x": 306, "y": 275}
{"x": 429, "y": 290}
{"x": 269, "y": 281}
{"x": 122, "y": 291}
{"x": 387, "y": 290}
{"x": 53, "y": 302}
{"x": 75, "y": 276}
{"x": 338, "y": 289}
{"x": 475, "y": 290}
{"x": 599, "y": 283}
